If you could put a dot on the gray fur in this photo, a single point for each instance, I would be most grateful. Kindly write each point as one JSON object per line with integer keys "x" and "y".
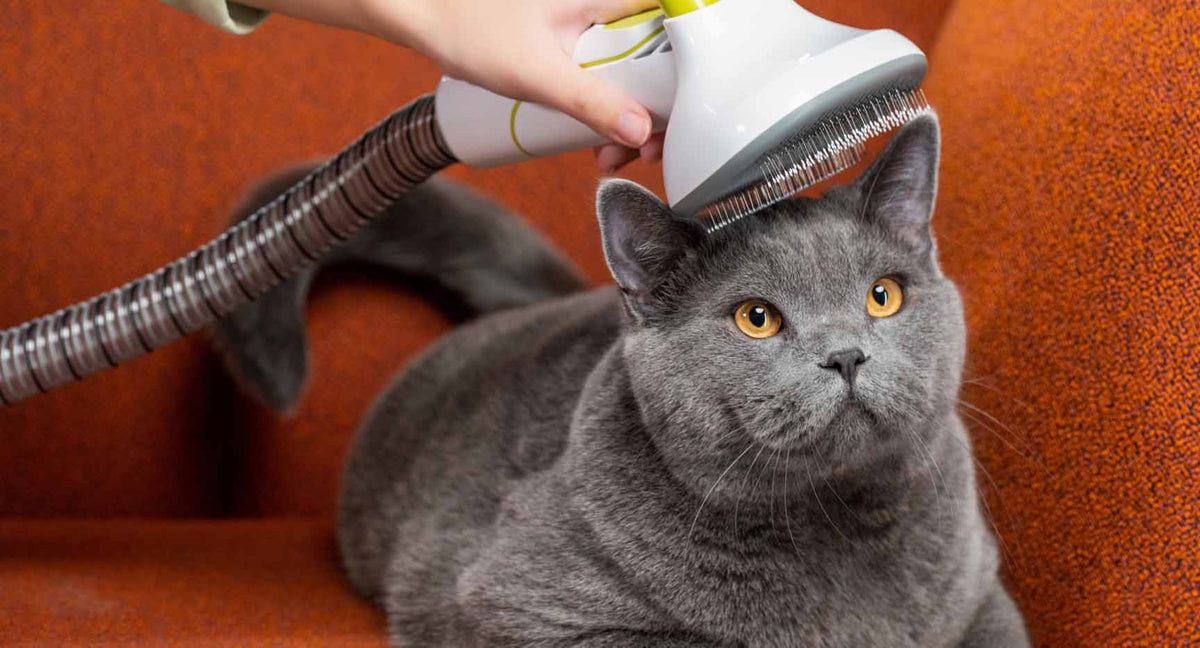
{"x": 622, "y": 467}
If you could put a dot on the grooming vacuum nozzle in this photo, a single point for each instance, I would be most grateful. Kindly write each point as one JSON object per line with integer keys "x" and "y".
{"x": 833, "y": 145}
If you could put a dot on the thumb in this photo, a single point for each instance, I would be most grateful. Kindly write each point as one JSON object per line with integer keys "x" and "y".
{"x": 603, "y": 108}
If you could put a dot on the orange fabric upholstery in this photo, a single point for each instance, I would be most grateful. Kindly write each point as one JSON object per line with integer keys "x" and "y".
{"x": 1069, "y": 212}
{"x": 128, "y": 130}
{"x": 171, "y": 583}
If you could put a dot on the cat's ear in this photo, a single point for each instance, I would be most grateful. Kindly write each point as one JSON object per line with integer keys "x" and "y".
{"x": 900, "y": 188}
{"x": 643, "y": 241}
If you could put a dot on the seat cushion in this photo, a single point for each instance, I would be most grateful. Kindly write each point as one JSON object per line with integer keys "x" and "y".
{"x": 186, "y": 583}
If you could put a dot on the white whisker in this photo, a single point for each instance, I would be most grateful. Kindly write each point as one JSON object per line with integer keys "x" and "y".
{"x": 774, "y": 473}
{"x": 714, "y": 487}
{"x": 787, "y": 460}
{"x": 1009, "y": 557}
{"x": 737, "y": 504}
{"x": 923, "y": 448}
{"x": 1003, "y": 439}
{"x": 808, "y": 470}
{"x": 978, "y": 382}
{"x": 839, "y": 498}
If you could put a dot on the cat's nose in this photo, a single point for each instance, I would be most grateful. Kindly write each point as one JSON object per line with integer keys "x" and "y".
{"x": 845, "y": 362}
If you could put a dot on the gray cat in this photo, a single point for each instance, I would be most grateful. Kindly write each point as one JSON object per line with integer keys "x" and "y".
{"x": 750, "y": 441}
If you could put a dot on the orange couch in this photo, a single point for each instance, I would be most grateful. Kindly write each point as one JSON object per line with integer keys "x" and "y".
{"x": 152, "y": 504}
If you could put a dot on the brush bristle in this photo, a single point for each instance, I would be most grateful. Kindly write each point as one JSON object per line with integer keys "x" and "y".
{"x": 835, "y": 144}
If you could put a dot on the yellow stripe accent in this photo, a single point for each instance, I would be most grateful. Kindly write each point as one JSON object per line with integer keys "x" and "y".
{"x": 512, "y": 129}
{"x": 512, "y": 119}
{"x": 631, "y": 50}
{"x": 679, "y": 7}
{"x": 635, "y": 20}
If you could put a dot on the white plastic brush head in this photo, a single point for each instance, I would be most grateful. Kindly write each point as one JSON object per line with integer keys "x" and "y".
{"x": 835, "y": 144}
{"x": 772, "y": 99}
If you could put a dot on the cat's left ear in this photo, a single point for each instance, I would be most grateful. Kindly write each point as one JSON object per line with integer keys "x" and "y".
{"x": 900, "y": 188}
{"x": 643, "y": 242}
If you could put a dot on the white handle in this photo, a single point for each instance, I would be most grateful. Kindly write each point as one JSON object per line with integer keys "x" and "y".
{"x": 484, "y": 129}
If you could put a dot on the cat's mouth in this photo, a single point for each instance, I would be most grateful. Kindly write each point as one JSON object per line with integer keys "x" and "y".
{"x": 799, "y": 425}
{"x": 849, "y": 415}
{"x": 854, "y": 408}
{"x": 830, "y": 416}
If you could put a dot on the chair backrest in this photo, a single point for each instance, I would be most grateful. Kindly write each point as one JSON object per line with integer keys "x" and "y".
{"x": 1069, "y": 214}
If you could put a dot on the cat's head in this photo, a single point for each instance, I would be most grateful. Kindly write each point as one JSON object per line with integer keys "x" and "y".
{"x": 823, "y": 327}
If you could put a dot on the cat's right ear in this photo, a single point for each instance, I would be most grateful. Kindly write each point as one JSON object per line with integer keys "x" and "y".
{"x": 900, "y": 187}
{"x": 643, "y": 241}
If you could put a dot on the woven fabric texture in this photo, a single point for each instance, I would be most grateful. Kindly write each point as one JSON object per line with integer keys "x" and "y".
{"x": 1069, "y": 214}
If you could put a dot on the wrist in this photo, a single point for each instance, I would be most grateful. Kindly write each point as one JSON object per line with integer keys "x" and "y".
{"x": 334, "y": 13}
{"x": 404, "y": 22}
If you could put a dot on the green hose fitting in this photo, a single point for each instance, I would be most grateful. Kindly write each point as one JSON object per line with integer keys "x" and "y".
{"x": 679, "y": 7}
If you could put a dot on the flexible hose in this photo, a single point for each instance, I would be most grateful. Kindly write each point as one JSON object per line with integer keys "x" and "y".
{"x": 237, "y": 267}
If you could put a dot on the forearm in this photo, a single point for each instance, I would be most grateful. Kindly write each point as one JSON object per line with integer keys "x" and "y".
{"x": 516, "y": 48}
{"x": 327, "y": 12}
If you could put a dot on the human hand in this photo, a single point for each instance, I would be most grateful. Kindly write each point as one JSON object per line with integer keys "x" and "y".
{"x": 517, "y": 48}
{"x": 522, "y": 49}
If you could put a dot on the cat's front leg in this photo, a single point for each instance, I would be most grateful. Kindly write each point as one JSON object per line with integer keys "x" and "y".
{"x": 997, "y": 623}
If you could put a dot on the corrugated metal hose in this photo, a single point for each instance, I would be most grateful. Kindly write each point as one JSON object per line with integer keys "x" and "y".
{"x": 240, "y": 265}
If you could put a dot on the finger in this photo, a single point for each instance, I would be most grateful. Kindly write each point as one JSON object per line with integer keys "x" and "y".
{"x": 652, "y": 150}
{"x": 603, "y": 108}
{"x": 611, "y": 157}
{"x": 606, "y": 11}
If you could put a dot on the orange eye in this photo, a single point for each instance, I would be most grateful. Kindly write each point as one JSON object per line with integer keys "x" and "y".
{"x": 884, "y": 298}
{"x": 758, "y": 319}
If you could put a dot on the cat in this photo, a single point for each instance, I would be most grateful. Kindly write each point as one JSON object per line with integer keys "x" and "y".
{"x": 751, "y": 440}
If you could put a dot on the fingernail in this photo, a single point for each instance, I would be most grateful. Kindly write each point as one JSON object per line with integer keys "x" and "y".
{"x": 633, "y": 129}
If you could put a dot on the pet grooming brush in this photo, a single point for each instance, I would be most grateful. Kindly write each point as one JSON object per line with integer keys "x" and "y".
{"x": 760, "y": 99}
{"x": 764, "y": 99}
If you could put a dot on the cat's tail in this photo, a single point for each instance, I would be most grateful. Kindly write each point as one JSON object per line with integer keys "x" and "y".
{"x": 483, "y": 257}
